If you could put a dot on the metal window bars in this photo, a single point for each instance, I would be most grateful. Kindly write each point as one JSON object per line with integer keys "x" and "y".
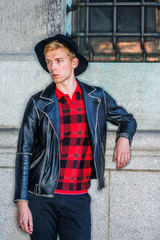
{"x": 114, "y": 35}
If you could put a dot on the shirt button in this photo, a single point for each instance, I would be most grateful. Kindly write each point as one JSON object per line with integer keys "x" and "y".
{"x": 72, "y": 103}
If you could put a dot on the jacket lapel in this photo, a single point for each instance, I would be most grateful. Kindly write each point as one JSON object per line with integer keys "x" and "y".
{"x": 92, "y": 106}
{"x": 51, "y": 108}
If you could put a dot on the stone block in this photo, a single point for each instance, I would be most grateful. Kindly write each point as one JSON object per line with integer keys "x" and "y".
{"x": 24, "y": 24}
{"x": 134, "y": 205}
{"x": 8, "y": 139}
{"x": 19, "y": 81}
{"x": 99, "y": 210}
{"x": 8, "y": 211}
{"x": 135, "y": 86}
{"x": 19, "y": 26}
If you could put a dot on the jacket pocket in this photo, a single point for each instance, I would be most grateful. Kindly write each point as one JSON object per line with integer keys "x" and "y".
{"x": 37, "y": 160}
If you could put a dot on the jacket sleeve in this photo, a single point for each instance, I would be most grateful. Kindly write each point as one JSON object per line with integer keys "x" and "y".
{"x": 117, "y": 115}
{"x": 26, "y": 142}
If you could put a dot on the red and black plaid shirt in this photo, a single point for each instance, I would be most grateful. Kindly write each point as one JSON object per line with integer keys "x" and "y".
{"x": 75, "y": 148}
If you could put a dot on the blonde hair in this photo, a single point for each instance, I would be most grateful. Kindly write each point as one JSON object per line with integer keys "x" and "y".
{"x": 55, "y": 45}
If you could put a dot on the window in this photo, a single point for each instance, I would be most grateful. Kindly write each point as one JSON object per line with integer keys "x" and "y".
{"x": 118, "y": 30}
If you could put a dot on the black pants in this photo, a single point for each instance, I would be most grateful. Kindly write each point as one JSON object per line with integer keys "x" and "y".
{"x": 65, "y": 215}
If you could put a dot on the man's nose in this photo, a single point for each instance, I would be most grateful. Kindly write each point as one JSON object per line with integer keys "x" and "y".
{"x": 53, "y": 65}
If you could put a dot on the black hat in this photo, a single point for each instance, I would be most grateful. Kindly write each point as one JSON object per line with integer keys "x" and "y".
{"x": 70, "y": 43}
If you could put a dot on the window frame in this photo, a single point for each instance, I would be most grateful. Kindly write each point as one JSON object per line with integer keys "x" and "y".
{"x": 116, "y": 50}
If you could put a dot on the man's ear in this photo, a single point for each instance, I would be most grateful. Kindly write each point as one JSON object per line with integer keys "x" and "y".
{"x": 75, "y": 62}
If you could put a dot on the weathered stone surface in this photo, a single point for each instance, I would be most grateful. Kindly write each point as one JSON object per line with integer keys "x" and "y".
{"x": 24, "y": 23}
{"x": 56, "y": 17}
{"x": 134, "y": 205}
{"x": 135, "y": 86}
{"x": 19, "y": 81}
{"x": 8, "y": 222}
{"x": 8, "y": 139}
{"x": 99, "y": 210}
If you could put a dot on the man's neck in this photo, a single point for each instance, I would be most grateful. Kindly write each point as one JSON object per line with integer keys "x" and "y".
{"x": 67, "y": 87}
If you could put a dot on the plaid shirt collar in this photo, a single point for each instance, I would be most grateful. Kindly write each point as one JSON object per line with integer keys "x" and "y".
{"x": 61, "y": 94}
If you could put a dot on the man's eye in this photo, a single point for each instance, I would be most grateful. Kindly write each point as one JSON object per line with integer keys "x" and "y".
{"x": 47, "y": 62}
{"x": 59, "y": 60}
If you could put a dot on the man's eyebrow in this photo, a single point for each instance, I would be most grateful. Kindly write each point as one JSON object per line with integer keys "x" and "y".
{"x": 47, "y": 59}
{"x": 55, "y": 58}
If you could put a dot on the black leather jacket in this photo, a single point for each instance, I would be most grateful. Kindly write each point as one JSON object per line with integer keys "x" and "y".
{"x": 37, "y": 161}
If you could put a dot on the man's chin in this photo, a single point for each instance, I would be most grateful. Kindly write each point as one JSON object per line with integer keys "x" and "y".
{"x": 56, "y": 81}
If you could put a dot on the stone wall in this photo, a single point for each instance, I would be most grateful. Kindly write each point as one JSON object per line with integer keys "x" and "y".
{"x": 129, "y": 206}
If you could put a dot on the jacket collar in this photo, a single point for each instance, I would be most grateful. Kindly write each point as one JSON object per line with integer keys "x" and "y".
{"x": 92, "y": 103}
{"x": 50, "y": 92}
{"x": 86, "y": 88}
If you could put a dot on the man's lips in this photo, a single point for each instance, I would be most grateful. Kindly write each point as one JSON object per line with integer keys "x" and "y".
{"x": 55, "y": 74}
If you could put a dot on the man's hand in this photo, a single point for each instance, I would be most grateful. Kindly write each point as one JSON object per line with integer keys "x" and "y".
{"x": 24, "y": 218}
{"x": 122, "y": 152}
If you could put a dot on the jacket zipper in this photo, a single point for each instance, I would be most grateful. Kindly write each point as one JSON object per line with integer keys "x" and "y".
{"x": 37, "y": 160}
{"x": 99, "y": 101}
{"x": 95, "y": 143}
{"x": 43, "y": 168}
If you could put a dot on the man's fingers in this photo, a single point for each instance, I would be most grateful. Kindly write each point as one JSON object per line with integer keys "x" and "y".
{"x": 127, "y": 159}
{"x": 26, "y": 228}
{"x": 120, "y": 162}
{"x": 123, "y": 160}
{"x": 30, "y": 224}
{"x": 114, "y": 156}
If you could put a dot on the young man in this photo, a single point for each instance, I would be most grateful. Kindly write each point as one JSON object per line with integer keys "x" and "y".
{"x": 61, "y": 146}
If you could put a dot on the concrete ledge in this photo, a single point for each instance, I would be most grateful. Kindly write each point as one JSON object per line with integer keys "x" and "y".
{"x": 145, "y": 150}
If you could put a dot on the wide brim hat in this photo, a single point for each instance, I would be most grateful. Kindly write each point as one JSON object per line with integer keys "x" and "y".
{"x": 70, "y": 43}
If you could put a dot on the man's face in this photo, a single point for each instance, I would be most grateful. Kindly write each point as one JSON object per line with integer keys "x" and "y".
{"x": 60, "y": 65}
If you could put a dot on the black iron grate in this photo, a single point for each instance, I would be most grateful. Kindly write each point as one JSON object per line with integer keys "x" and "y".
{"x": 148, "y": 39}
